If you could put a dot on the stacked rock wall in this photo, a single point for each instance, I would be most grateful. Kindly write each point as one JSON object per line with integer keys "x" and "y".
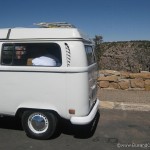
{"x": 110, "y": 79}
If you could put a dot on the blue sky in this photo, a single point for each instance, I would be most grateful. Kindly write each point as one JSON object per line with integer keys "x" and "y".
{"x": 115, "y": 20}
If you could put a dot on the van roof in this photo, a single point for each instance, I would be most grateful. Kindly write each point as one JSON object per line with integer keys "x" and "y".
{"x": 41, "y": 33}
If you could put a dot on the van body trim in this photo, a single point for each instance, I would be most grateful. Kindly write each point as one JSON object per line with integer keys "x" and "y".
{"x": 46, "y": 69}
{"x": 86, "y": 119}
{"x": 44, "y": 40}
{"x": 8, "y": 34}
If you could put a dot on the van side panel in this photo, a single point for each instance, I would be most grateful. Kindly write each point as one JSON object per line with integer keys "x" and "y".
{"x": 77, "y": 93}
{"x": 81, "y": 90}
{"x": 81, "y": 86}
{"x": 78, "y": 55}
{"x": 32, "y": 90}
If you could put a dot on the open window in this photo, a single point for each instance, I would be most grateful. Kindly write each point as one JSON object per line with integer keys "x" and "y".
{"x": 24, "y": 54}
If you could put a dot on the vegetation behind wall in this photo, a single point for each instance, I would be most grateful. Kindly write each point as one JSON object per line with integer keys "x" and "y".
{"x": 132, "y": 56}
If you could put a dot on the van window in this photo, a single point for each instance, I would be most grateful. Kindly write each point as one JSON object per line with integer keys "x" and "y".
{"x": 31, "y": 54}
{"x": 90, "y": 54}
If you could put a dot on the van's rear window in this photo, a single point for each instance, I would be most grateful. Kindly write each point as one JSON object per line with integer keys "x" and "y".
{"x": 31, "y": 54}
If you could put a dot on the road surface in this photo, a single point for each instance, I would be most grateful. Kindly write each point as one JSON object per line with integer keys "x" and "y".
{"x": 113, "y": 130}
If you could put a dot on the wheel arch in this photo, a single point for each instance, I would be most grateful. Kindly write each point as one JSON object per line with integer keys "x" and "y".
{"x": 21, "y": 110}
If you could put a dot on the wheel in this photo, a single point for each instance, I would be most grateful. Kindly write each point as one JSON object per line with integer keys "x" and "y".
{"x": 39, "y": 124}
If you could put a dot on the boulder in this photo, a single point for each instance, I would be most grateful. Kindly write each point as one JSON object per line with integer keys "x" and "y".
{"x": 110, "y": 72}
{"x": 114, "y": 85}
{"x": 137, "y": 83}
{"x": 109, "y": 78}
{"x": 147, "y": 82}
{"x": 140, "y": 75}
{"x": 104, "y": 84}
{"x": 147, "y": 85}
{"x": 125, "y": 75}
{"x": 124, "y": 84}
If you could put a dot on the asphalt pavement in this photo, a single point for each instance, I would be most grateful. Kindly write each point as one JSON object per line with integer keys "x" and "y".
{"x": 111, "y": 130}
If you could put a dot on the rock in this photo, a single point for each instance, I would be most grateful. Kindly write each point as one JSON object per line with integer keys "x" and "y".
{"x": 109, "y": 78}
{"x": 137, "y": 83}
{"x": 110, "y": 72}
{"x": 104, "y": 84}
{"x": 144, "y": 71}
{"x": 124, "y": 85}
{"x": 147, "y": 85}
{"x": 114, "y": 85}
{"x": 140, "y": 75}
{"x": 124, "y": 74}
{"x": 147, "y": 82}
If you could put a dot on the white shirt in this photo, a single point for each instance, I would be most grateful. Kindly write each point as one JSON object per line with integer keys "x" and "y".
{"x": 44, "y": 61}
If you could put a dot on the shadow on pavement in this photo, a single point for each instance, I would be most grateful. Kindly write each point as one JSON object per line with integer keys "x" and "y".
{"x": 78, "y": 131}
{"x": 65, "y": 127}
{"x": 10, "y": 123}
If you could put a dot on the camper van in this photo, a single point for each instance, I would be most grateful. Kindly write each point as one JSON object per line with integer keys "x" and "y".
{"x": 46, "y": 73}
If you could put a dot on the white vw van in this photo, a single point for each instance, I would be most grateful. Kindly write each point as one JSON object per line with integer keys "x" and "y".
{"x": 41, "y": 93}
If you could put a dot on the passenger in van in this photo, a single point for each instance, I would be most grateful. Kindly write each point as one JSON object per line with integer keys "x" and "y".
{"x": 20, "y": 51}
{"x": 47, "y": 60}
{"x": 21, "y": 58}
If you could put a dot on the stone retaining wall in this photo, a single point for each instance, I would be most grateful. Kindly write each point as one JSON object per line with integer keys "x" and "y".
{"x": 110, "y": 79}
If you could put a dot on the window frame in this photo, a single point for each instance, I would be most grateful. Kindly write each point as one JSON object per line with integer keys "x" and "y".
{"x": 44, "y": 44}
{"x": 90, "y": 59}
{"x": 2, "y": 58}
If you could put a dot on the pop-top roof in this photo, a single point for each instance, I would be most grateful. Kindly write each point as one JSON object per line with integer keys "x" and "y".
{"x": 46, "y": 31}
{"x": 4, "y": 33}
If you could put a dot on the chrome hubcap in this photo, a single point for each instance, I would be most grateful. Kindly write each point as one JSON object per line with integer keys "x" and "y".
{"x": 38, "y": 123}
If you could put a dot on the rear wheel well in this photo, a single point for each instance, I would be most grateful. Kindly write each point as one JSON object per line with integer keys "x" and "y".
{"x": 20, "y": 111}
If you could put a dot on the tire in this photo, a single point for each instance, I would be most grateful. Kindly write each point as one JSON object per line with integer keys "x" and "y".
{"x": 39, "y": 124}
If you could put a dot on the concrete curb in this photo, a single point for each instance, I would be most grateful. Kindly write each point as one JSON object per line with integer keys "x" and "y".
{"x": 124, "y": 106}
